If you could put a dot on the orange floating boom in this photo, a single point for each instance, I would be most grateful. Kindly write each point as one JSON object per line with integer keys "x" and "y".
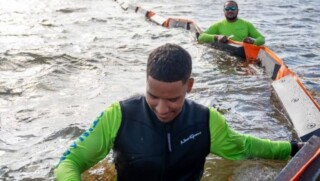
{"x": 302, "y": 109}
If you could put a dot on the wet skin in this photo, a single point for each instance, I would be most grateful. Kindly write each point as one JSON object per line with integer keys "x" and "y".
{"x": 166, "y": 99}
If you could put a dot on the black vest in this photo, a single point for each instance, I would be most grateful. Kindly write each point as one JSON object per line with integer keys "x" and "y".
{"x": 147, "y": 149}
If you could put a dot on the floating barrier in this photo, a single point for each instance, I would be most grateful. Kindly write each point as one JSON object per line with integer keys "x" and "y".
{"x": 301, "y": 108}
{"x": 305, "y": 165}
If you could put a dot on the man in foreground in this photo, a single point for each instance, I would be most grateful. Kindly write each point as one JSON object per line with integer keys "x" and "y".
{"x": 232, "y": 27}
{"x": 163, "y": 135}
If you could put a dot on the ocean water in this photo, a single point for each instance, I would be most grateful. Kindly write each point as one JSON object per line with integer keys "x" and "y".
{"x": 63, "y": 62}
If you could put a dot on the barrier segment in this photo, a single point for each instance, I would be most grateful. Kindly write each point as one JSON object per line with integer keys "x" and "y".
{"x": 124, "y": 5}
{"x": 251, "y": 52}
{"x": 304, "y": 166}
{"x": 165, "y": 22}
{"x": 271, "y": 66}
{"x": 280, "y": 70}
{"x": 303, "y": 114}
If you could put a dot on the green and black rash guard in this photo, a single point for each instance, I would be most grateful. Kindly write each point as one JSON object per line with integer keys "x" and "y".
{"x": 146, "y": 149}
{"x": 238, "y": 31}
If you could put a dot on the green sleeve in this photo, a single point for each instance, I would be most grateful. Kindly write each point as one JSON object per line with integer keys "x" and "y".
{"x": 238, "y": 31}
{"x": 231, "y": 145}
{"x": 91, "y": 147}
{"x": 208, "y": 35}
{"x": 254, "y": 33}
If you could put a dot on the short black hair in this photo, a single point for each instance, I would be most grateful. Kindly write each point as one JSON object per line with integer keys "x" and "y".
{"x": 231, "y": 2}
{"x": 169, "y": 63}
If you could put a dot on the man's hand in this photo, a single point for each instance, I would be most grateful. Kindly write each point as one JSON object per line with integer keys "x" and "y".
{"x": 221, "y": 38}
{"x": 249, "y": 40}
{"x": 295, "y": 147}
{"x": 300, "y": 144}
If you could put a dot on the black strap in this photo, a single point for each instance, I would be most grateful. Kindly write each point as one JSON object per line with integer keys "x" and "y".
{"x": 294, "y": 148}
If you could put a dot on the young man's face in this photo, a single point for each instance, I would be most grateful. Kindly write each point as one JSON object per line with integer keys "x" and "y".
{"x": 166, "y": 99}
{"x": 230, "y": 11}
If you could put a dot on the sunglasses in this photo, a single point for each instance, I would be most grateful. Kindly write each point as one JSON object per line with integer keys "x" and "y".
{"x": 230, "y": 8}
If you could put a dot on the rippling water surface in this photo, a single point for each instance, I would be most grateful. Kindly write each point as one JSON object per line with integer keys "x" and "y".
{"x": 63, "y": 62}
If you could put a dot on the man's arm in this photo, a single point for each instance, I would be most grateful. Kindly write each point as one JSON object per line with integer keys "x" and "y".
{"x": 209, "y": 35}
{"x": 91, "y": 147}
{"x": 254, "y": 33}
{"x": 231, "y": 145}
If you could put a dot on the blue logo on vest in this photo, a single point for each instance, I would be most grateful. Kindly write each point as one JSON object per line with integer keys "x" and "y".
{"x": 191, "y": 137}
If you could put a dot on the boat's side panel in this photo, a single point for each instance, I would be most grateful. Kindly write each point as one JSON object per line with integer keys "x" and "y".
{"x": 304, "y": 115}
